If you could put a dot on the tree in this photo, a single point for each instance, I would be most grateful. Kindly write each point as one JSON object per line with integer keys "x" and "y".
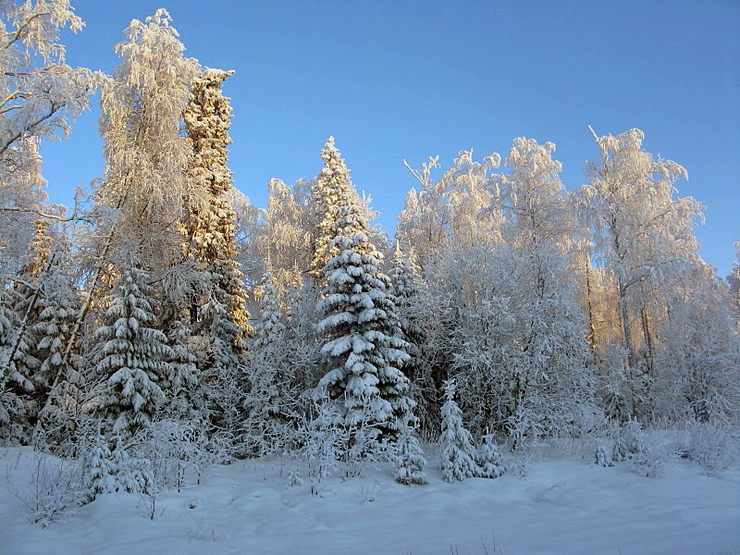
{"x": 457, "y": 460}
{"x": 209, "y": 223}
{"x": 58, "y": 380}
{"x": 549, "y": 366}
{"x": 362, "y": 351}
{"x": 39, "y": 98}
{"x": 459, "y": 210}
{"x": 412, "y": 319}
{"x": 331, "y": 188}
{"x": 133, "y": 362}
{"x": 642, "y": 233}
{"x": 285, "y": 234}
{"x": 142, "y": 196}
{"x": 697, "y": 351}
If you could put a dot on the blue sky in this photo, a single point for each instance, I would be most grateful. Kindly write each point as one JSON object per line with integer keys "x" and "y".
{"x": 409, "y": 79}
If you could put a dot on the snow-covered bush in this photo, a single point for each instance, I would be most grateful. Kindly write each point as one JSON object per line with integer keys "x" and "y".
{"x": 711, "y": 445}
{"x": 602, "y": 457}
{"x": 629, "y": 442}
{"x": 322, "y": 448}
{"x": 55, "y": 486}
{"x": 650, "y": 461}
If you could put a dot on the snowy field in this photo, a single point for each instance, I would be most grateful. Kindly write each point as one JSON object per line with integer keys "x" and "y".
{"x": 559, "y": 504}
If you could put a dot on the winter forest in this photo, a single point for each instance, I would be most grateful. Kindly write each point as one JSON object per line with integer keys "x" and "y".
{"x": 163, "y": 323}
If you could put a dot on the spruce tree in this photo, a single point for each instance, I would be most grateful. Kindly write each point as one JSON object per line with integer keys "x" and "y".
{"x": 58, "y": 379}
{"x": 209, "y": 223}
{"x": 363, "y": 352}
{"x": 218, "y": 313}
{"x": 133, "y": 364}
{"x": 331, "y": 188}
{"x": 457, "y": 460}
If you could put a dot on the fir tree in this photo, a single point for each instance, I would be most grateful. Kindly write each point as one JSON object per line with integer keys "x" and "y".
{"x": 362, "y": 352}
{"x": 58, "y": 379}
{"x": 270, "y": 324}
{"x": 331, "y": 189}
{"x": 209, "y": 223}
{"x": 134, "y": 357}
{"x": 409, "y": 461}
{"x": 458, "y": 450}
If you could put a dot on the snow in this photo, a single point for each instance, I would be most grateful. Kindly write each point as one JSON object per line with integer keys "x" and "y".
{"x": 562, "y": 504}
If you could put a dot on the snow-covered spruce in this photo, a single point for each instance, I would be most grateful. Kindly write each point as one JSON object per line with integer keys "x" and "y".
{"x": 134, "y": 357}
{"x": 457, "y": 460}
{"x": 409, "y": 461}
{"x": 363, "y": 352}
{"x": 460, "y": 457}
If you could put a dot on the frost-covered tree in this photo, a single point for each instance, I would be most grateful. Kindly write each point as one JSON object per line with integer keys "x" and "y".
{"x": 39, "y": 94}
{"x": 270, "y": 326}
{"x": 209, "y": 222}
{"x": 331, "y": 189}
{"x": 285, "y": 234}
{"x": 642, "y": 234}
{"x": 548, "y": 367}
{"x": 218, "y": 313}
{"x": 270, "y": 409}
{"x": 134, "y": 356}
{"x": 697, "y": 352}
{"x": 457, "y": 460}
{"x": 141, "y": 198}
{"x": 461, "y": 458}
{"x": 406, "y": 283}
{"x": 409, "y": 461}
{"x": 17, "y": 363}
{"x": 460, "y": 209}
{"x": 39, "y": 98}
{"x": 362, "y": 351}
{"x": 58, "y": 380}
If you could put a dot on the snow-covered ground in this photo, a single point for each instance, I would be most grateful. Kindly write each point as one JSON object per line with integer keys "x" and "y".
{"x": 561, "y": 505}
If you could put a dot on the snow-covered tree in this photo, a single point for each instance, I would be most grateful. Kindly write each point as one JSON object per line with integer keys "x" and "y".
{"x": 460, "y": 209}
{"x": 642, "y": 234}
{"x": 208, "y": 225}
{"x": 134, "y": 357}
{"x": 362, "y": 351}
{"x": 331, "y": 188}
{"x": 698, "y": 352}
{"x": 141, "y": 198}
{"x": 548, "y": 367}
{"x": 39, "y": 98}
{"x": 412, "y": 318}
{"x": 270, "y": 325}
{"x": 409, "y": 461}
{"x": 58, "y": 380}
{"x": 457, "y": 460}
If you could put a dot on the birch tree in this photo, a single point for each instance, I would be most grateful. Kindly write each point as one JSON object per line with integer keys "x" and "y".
{"x": 40, "y": 96}
{"x": 142, "y": 196}
{"x": 641, "y": 232}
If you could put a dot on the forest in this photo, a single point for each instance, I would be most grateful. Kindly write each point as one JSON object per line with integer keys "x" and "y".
{"x": 164, "y": 317}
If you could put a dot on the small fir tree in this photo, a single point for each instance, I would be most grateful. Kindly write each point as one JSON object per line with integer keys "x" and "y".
{"x": 458, "y": 459}
{"x": 409, "y": 461}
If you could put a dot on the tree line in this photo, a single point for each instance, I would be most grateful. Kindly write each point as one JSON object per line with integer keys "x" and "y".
{"x": 530, "y": 310}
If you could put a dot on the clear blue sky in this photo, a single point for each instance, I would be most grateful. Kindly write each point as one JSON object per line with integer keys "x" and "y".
{"x": 409, "y": 79}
